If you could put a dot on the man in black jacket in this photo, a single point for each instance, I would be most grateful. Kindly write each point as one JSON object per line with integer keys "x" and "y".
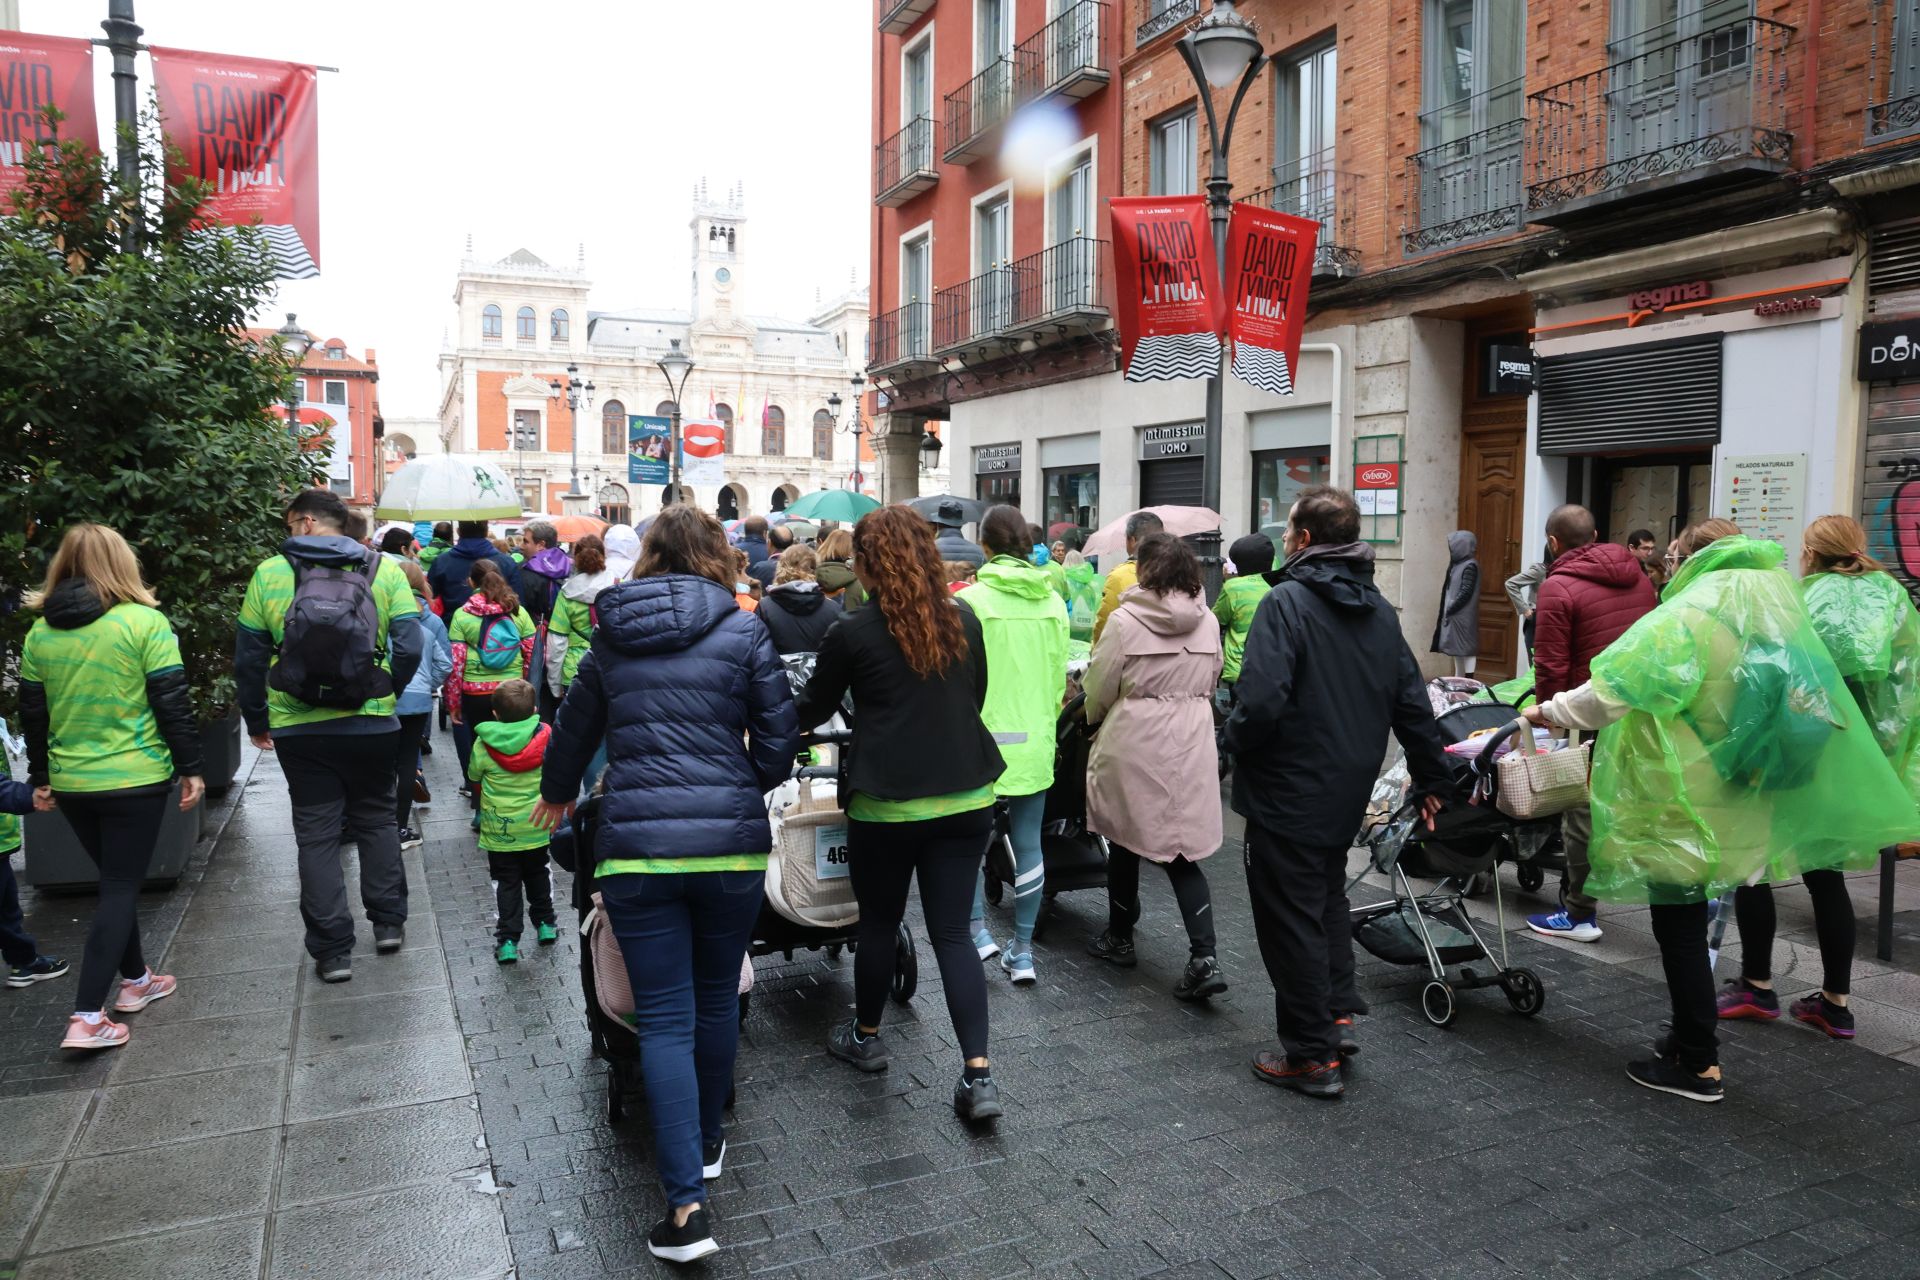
{"x": 779, "y": 538}
{"x": 1326, "y": 675}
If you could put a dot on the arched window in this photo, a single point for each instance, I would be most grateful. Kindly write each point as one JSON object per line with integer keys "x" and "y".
{"x": 783, "y": 497}
{"x": 613, "y": 504}
{"x": 613, "y": 427}
{"x": 559, "y": 325}
{"x": 523, "y": 325}
{"x": 724, "y": 412}
{"x": 728, "y": 507}
{"x": 822, "y": 434}
{"x": 664, "y": 409}
{"x": 402, "y": 445}
{"x": 773, "y": 431}
{"x": 490, "y": 322}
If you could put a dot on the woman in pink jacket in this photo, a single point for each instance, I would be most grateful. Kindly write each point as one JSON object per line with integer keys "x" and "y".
{"x": 1153, "y": 777}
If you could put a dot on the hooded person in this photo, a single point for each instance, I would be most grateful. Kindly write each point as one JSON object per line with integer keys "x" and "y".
{"x": 505, "y": 768}
{"x": 954, "y": 546}
{"x": 451, "y": 572}
{"x": 1456, "y": 632}
{"x": 570, "y": 631}
{"x": 623, "y": 548}
{"x": 1731, "y": 752}
{"x": 1252, "y": 558}
{"x": 1153, "y": 775}
{"x": 442, "y": 540}
{"x": 796, "y": 612}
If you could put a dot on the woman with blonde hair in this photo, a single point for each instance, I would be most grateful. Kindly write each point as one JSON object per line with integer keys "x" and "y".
{"x": 835, "y": 572}
{"x": 796, "y": 611}
{"x": 109, "y": 726}
{"x": 1869, "y": 625}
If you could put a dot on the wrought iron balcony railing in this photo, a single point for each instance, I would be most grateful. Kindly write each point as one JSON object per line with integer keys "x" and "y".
{"x": 904, "y": 164}
{"x": 1058, "y": 285}
{"x": 1067, "y": 57}
{"x": 1312, "y": 188}
{"x": 973, "y": 312}
{"x": 1893, "y": 71}
{"x": 898, "y": 17}
{"x": 1466, "y": 184}
{"x": 977, "y": 109}
{"x": 1673, "y": 105}
{"x": 901, "y": 338}
{"x": 1163, "y": 16}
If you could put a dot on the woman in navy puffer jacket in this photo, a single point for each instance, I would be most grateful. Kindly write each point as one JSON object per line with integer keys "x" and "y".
{"x": 699, "y": 722}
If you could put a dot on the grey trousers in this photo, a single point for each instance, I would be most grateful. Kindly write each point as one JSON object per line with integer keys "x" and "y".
{"x": 1576, "y": 830}
{"x": 336, "y": 781}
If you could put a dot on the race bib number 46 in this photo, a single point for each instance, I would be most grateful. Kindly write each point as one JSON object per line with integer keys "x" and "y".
{"x": 830, "y": 853}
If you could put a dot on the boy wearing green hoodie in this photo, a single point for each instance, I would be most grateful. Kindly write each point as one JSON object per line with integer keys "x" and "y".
{"x": 505, "y": 769}
{"x": 1252, "y": 558}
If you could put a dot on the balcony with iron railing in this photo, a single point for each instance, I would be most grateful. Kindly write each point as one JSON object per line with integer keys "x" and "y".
{"x": 1062, "y": 287}
{"x": 1161, "y": 16}
{"x": 1312, "y": 188}
{"x": 974, "y": 314}
{"x": 1676, "y": 109}
{"x": 1466, "y": 184}
{"x": 1066, "y": 58}
{"x": 903, "y": 165}
{"x": 898, "y": 17}
{"x": 900, "y": 342}
{"x": 1893, "y": 71}
{"x": 977, "y": 110}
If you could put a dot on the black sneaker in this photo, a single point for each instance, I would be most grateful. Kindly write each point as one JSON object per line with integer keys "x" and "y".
{"x": 43, "y": 969}
{"x": 869, "y": 1054}
{"x": 713, "y": 1158}
{"x": 335, "y": 969}
{"x": 689, "y": 1242}
{"x": 1315, "y": 1079}
{"x": 410, "y": 838}
{"x": 977, "y": 1100}
{"x": 1115, "y": 951}
{"x": 1668, "y": 1076}
{"x": 1202, "y": 980}
{"x": 1343, "y": 1027}
{"x": 389, "y": 938}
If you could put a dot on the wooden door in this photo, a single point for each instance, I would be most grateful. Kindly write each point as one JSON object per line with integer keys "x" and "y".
{"x": 1492, "y": 462}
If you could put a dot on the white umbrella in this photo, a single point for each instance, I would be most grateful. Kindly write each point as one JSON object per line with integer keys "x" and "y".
{"x": 448, "y": 487}
{"x": 1181, "y": 522}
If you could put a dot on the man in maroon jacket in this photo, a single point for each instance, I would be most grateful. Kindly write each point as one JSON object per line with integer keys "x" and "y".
{"x": 1593, "y": 592}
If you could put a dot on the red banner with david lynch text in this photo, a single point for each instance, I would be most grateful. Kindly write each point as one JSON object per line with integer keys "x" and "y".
{"x": 1269, "y": 270}
{"x": 249, "y": 128}
{"x": 1168, "y": 287}
{"x": 37, "y": 72}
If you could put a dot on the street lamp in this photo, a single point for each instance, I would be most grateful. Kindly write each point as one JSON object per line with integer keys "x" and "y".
{"x": 929, "y": 453}
{"x": 676, "y": 363}
{"x": 579, "y": 396}
{"x": 855, "y": 427}
{"x": 1223, "y": 46}
{"x": 295, "y": 342}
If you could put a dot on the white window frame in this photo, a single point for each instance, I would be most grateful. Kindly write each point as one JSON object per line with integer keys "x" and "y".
{"x": 1002, "y": 192}
{"x": 1156, "y": 148}
{"x": 1058, "y": 168}
{"x": 1012, "y": 16}
{"x": 341, "y": 383}
{"x": 907, "y": 49}
{"x": 922, "y": 232}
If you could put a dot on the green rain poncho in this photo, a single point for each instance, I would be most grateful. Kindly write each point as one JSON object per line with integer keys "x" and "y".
{"x": 1873, "y": 632}
{"x": 1743, "y": 757}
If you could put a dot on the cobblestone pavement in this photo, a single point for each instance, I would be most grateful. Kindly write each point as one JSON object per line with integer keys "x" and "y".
{"x": 265, "y": 1126}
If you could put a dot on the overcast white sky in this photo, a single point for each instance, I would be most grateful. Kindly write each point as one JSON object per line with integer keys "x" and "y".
{"x": 544, "y": 125}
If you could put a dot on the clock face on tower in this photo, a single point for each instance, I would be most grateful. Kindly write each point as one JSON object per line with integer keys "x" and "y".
{"x": 723, "y": 277}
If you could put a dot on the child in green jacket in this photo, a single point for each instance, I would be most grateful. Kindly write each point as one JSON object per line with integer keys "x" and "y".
{"x": 505, "y": 769}
{"x": 1252, "y": 558}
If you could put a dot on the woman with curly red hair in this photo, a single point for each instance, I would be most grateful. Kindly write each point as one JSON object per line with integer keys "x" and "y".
{"x": 921, "y": 769}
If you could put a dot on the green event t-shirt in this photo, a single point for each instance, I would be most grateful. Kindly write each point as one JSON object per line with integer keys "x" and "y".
{"x": 9, "y": 833}
{"x": 679, "y": 866}
{"x": 265, "y": 609}
{"x": 101, "y": 732}
{"x": 464, "y": 628}
{"x": 862, "y": 807}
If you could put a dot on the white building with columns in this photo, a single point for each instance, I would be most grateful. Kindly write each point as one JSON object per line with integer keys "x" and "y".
{"x": 767, "y": 381}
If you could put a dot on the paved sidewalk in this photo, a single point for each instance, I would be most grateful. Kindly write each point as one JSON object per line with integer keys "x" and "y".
{"x": 441, "y": 1116}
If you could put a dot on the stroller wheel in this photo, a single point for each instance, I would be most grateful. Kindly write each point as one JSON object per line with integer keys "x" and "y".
{"x": 995, "y": 889}
{"x": 616, "y": 1110}
{"x": 1436, "y": 1001}
{"x": 834, "y": 951}
{"x": 1530, "y": 876}
{"x": 906, "y": 967}
{"x": 746, "y": 998}
{"x": 1524, "y": 991}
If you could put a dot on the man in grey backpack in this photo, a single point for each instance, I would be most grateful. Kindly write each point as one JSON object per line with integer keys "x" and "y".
{"x": 327, "y": 635}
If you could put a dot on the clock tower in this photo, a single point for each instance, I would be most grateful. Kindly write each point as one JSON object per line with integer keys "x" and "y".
{"x": 719, "y": 259}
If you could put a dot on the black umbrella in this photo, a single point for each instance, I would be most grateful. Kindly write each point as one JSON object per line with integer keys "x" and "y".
{"x": 950, "y": 509}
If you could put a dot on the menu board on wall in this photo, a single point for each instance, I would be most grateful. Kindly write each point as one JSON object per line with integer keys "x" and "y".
{"x": 1766, "y": 495}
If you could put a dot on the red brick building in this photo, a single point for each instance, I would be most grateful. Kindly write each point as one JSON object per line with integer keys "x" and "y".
{"x": 347, "y": 388}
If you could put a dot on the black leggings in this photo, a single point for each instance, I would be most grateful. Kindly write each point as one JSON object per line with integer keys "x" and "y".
{"x": 119, "y": 830}
{"x": 1189, "y": 886}
{"x": 883, "y": 859}
{"x": 1833, "y": 924}
{"x": 406, "y": 762}
{"x": 1681, "y": 931}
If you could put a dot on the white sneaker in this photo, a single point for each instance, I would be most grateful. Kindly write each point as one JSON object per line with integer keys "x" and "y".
{"x": 983, "y": 943}
{"x": 1019, "y": 966}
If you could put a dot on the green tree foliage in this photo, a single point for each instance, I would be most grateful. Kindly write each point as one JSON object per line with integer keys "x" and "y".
{"x": 130, "y": 395}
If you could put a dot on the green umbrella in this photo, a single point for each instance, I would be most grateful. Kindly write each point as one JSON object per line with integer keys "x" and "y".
{"x": 843, "y": 505}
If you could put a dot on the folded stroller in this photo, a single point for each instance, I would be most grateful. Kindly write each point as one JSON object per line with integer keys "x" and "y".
{"x": 1073, "y": 857}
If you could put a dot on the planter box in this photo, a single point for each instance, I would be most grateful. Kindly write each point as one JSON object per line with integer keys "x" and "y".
{"x": 55, "y": 861}
{"x": 220, "y": 748}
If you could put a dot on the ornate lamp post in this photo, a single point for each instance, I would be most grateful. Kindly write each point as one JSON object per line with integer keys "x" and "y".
{"x": 929, "y": 453}
{"x": 855, "y": 426}
{"x": 295, "y": 342}
{"x": 579, "y": 395}
{"x": 676, "y": 364}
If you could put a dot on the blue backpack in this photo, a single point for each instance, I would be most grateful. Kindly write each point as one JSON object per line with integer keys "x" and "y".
{"x": 499, "y": 642}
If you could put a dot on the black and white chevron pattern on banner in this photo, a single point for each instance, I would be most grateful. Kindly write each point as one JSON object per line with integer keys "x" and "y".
{"x": 291, "y": 261}
{"x": 1263, "y": 368}
{"x": 1173, "y": 356}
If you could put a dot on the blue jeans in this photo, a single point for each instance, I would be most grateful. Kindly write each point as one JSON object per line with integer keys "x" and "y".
{"x": 683, "y": 937}
{"x": 1024, "y": 814}
{"x": 17, "y": 946}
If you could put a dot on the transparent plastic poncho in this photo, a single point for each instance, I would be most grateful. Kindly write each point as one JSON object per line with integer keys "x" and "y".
{"x": 1744, "y": 757}
{"x": 1872, "y": 630}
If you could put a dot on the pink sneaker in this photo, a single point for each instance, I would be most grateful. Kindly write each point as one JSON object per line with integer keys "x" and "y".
{"x": 135, "y": 996}
{"x": 104, "y": 1034}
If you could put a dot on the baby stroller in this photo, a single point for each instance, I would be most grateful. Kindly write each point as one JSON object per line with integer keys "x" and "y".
{"x": 1074, "y": 858}
{"x": 1433, "y": 928}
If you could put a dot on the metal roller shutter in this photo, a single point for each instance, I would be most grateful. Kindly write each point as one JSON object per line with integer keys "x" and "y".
{"x": 1173, "y": 482}
{"x": 1661, "y": 396}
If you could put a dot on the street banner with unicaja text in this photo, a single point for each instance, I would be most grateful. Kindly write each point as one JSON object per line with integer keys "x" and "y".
{"x": 37, "y": 72}
{"x": 249, "y": 128}
{"x": 647, "y": 447}
{"x": 1167, "y": 288}
{"x": 1269, "y": 270}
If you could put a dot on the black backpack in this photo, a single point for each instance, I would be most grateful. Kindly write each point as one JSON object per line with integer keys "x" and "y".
{"x": 329, "y": 647}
